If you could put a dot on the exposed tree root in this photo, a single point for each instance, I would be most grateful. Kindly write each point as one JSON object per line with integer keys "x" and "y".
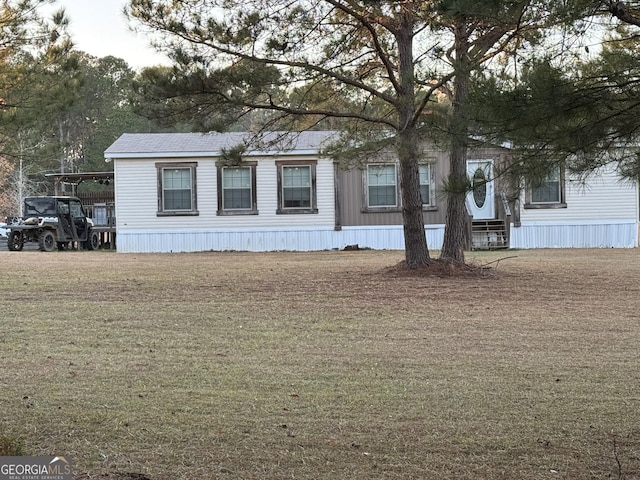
{"x": 444, "y": 268}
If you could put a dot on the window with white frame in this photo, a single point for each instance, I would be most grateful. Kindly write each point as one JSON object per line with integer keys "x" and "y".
{"x": 297, "y": 187}
{"x": 382, "y": 185}
{"x": 177, "y": 188}
{"x": 549, "y": 192}
{"x": 237, "y": 190}
{"x": 426, "y": 189}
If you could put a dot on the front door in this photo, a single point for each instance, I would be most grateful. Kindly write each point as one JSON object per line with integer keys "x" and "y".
{"x": 480, "y": 199}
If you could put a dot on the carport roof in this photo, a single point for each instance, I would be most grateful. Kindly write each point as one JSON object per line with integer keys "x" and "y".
{"x": 76, "y": 178}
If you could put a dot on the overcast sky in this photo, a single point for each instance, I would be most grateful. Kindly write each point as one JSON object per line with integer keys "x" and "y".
{"x": 99, "y": 28}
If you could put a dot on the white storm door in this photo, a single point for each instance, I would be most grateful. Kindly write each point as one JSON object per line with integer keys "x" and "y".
{"x": 481, "y": 199}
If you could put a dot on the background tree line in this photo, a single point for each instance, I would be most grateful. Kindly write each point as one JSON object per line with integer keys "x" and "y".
{"x": 60, "y": 108}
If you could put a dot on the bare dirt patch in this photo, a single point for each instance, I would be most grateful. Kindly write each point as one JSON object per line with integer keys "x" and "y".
{"x": 322, "y": 366}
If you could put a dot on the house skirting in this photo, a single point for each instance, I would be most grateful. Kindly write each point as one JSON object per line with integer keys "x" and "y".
{"x": 614, "y": 234}
{"x": 601, "y": 234}
{"x": 266, "y": 240}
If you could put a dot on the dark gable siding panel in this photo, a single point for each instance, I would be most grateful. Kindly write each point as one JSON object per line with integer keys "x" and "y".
{"x": 352, "y": 198}
{"x": 352, "y": 195}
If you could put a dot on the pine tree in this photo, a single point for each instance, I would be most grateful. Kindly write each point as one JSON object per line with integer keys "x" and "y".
{"x": 376, "y": 66}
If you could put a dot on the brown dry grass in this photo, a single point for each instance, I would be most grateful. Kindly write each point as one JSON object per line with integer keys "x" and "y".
{"x": 323, "y": 366}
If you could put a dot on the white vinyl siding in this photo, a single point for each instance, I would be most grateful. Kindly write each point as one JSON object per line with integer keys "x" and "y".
{"x": 137, "y": 194}
{"x": 603, "y": 197}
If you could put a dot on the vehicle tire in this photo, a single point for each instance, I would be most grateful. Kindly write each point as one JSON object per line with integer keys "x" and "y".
{"x": 93, "y": 243}
{"x": 47, "y": 241}
{"x": 15, "y": 241}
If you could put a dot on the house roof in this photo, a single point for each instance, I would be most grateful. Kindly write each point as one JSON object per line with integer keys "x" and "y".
{"x": 175, "y": 145}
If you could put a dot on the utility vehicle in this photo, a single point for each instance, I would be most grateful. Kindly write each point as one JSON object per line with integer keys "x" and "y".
{"x": 52, "y": 222}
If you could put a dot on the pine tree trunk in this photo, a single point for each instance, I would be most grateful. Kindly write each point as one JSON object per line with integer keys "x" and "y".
{"x": 455, "y": 226}
{"x": 455, "y": 231}
{"x": 415, "y": 241}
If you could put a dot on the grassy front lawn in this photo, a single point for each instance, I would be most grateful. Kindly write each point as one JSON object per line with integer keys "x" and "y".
{"x": 323, "y": 365}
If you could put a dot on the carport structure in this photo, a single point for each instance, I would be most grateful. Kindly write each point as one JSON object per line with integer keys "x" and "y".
{"x": 99, "y": 205}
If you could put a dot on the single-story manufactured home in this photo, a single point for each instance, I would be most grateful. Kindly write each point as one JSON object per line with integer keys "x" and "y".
{"x": 184, "y": 192}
